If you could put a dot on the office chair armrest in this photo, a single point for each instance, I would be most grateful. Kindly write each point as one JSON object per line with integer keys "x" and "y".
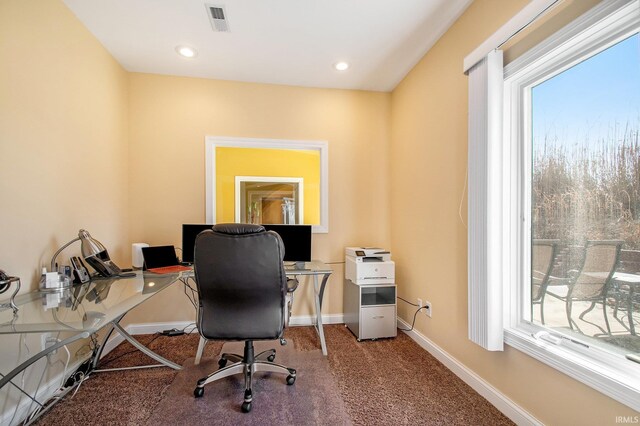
{"x": 292, "y": 284}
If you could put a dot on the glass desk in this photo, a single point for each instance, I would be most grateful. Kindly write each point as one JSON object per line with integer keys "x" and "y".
{"x": 81, "y": 311}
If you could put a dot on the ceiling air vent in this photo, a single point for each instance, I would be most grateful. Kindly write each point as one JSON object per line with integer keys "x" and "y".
{"x": 218, "y": 18}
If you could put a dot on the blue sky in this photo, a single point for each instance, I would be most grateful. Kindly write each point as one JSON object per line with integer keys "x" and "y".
{"x": 588, "y": 101}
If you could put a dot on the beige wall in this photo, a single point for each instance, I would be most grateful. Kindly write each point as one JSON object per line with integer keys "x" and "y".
{"x": 170, "y": 117}
{"x": 63, "y": 138}
{"x": 429, "y": 239}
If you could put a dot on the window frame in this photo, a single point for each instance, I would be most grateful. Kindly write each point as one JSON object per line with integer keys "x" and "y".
{"x": 603, "y": 26}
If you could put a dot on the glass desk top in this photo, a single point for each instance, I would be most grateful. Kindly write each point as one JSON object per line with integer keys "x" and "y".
{"x": 87, "y": 307}
{"x": 314, "y": 267}
{"x": 90, "y": 306}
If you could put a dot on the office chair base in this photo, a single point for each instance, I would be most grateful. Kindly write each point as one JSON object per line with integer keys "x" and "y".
{"x": 269, "y": 355}
{"x": 246, "y": 365}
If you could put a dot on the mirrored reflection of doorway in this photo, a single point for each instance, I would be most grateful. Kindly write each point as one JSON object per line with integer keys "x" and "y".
{"x": 269, "y": 200}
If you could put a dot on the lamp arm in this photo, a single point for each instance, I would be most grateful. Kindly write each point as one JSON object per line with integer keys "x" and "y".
{"x": 53, "y": 259}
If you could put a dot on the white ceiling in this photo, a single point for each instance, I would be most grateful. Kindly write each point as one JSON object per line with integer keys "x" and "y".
{"x": 292, "y": 42}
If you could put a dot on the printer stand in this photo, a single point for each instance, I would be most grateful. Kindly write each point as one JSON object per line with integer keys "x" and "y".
{"x": 370, "y": 310}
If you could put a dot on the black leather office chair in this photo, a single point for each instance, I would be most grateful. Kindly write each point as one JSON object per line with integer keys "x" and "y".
{"x": 242, "y": 285}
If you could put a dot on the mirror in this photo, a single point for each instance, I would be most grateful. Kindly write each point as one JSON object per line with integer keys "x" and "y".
{"x": 267, "y": 181}
{"x": 269, "y": 200}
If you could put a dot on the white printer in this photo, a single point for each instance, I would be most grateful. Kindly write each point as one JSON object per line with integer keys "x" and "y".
{"x": 369, "y": 293}
{"x": 369, "y": 265}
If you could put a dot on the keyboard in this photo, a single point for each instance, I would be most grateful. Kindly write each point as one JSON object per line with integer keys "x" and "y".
{"x": 169, "y": 269}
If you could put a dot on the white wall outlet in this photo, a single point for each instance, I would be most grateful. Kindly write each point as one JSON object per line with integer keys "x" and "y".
{"x": 46, "y": 341}
{"x": 427, "y": 308}
{"x": 419, "y": 303}
{"x": 43, "y": 340}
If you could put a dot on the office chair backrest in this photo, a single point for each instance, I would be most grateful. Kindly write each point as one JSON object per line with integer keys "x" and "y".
{"x": 600, "y": 262}
{"x": 241, "y": 282}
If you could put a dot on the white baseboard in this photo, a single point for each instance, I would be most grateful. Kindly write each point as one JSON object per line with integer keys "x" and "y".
{"x": 509, "y": 408}
{"x": 304, "y": 320}
{"x": 155, "y": 327}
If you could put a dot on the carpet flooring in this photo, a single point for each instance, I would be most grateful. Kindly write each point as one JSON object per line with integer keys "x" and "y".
{"x": 383, "y": 382}
{"x": 313, "y": 399}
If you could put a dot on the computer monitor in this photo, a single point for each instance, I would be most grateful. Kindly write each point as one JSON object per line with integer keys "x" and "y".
{"x": 189, "y": 233}
{"x": 296, "y": 239}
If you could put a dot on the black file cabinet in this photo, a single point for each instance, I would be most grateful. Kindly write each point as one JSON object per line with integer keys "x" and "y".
{"x": 370, "y": 310}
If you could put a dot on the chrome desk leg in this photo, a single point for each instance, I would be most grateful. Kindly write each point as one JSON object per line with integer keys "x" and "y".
{"x": 115, "y": 326}
{"x": 201, "y": 344}
{"x": 142, "y": 348}
{"x": 98, "y": 355}
{"x": 318, "y": 291}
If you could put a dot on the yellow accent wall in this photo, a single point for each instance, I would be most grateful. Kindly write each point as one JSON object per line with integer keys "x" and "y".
{"x": 429, "y": 233}
{"x": 232, "y": 162}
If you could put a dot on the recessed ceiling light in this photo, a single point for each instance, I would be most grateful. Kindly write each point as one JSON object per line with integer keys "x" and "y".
{"x": 186, "y": 51}
{"x": 341, "y": 66}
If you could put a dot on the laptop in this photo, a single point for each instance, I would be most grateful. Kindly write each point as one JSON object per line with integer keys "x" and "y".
{"x": 162, "y": 260}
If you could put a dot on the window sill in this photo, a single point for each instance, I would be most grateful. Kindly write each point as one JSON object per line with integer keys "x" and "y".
{"x": 611, "y": 375}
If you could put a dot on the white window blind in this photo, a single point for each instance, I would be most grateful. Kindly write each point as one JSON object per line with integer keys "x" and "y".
{"x": 485, "y": 203}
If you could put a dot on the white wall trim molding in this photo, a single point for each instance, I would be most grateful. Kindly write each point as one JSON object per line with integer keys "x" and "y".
{"x": 508, "y": 407}
{"x": 304, "y": 320}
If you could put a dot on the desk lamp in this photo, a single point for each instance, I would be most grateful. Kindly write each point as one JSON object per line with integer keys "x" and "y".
{"x": 90, "y": 247}
{"x": 96, "y": 254}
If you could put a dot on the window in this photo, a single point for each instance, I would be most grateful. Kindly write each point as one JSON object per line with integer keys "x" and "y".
{"x": 572, "y": 171}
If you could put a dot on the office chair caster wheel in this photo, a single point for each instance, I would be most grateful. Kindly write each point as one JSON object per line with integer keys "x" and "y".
{"x": 270, "y": 358}
{"x": 291, "y": 380}
{"x": 198, "y": 392}
{"x": 246, "y": 407}
{"x": 222, "y": 362}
